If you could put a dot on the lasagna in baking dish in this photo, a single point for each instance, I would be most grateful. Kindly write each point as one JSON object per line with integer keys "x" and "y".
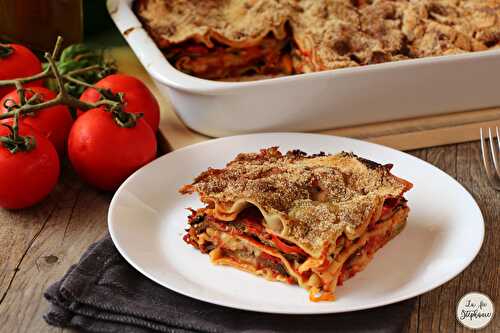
{"x": 231, "y": 39}
{"x": 314, "y": 221}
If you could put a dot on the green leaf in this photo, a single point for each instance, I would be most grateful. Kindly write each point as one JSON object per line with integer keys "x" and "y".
{"x": 79, "y": 56}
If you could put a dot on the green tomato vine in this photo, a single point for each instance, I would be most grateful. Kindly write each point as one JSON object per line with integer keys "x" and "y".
{"x": 77, "y": 66}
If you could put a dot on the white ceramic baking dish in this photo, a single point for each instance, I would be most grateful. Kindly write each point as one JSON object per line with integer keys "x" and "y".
{"x": 322, "y": 100}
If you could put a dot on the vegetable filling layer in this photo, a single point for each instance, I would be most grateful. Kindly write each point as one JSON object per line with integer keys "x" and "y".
{"x": 268, "y": 57}
{"x": 247, "y": 244}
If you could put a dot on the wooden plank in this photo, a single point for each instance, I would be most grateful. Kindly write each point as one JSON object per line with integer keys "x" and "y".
{"x": 19, "y": 230}
{"x": 420, "y": 124}
{"x": 413, "y": 323}
{"x": 79, "y": 219}
{"x": 434, "y": 137}
{"x": 425, "y": 132}
{"x": 484, "y": 273}
{"x": 436, "y": 309}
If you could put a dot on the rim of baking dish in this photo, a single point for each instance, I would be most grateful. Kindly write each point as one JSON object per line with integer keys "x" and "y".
{"x": 161, "y": 70}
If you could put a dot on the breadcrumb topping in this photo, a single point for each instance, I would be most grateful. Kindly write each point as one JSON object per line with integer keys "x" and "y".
{"x": 330, "y": 34}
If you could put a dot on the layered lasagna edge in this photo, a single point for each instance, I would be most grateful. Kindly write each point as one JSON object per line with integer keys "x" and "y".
{"x": 244, "y": 243}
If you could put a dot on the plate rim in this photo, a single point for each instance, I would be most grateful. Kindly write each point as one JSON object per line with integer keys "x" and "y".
{"x": 247, "y": 307}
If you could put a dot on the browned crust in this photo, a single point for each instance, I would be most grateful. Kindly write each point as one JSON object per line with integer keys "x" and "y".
{"x": 234, "y": 23}
{"x": 317, "y": 198}
{"x": 330, "y": 34}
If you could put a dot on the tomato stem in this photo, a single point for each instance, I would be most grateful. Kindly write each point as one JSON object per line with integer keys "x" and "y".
{"x": 62, "y": 97}
{"x": 20, "y": 93}
{"x": 125, "y": 119}
{"x": 5, "y": 51}
{"x": 69, "y": 77}
{"x": 47, "y": 72}
{"x": 111, "y": 102}
{"x": 42, "y": 75}
{"x": 14, "y": 142}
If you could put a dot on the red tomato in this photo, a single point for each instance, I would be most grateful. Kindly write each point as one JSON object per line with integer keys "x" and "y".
{"x": 55, "y": 122}
{"x": 26, "y": 177}
{"x": 269, "y": 257}
{"x": 18, "y": 61}
{"x": 253, "y": 225}
{"x": 138, "y": 98}
{"x": 105, "y": 154}
{"x": 286, "y": 248}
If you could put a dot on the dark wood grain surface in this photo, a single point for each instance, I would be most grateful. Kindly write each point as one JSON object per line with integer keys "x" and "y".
{"x": 38, "y": 245}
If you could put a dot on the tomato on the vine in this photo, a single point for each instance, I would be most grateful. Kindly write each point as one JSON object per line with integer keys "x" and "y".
{"x": 26, "y": 177}
{"x": 17, "y": 61}
{"x": 137, "y": 97}
{"x": 54, "y": 122}
{"x": 103, "y": 153}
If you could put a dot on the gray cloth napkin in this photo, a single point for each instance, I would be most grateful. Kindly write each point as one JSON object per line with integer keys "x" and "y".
{"x": 103, "y": 293}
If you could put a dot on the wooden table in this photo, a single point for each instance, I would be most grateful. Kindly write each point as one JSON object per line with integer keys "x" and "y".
{"x": 39, "y": 244}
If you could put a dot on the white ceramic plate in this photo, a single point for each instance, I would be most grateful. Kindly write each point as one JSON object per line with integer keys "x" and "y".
{"x": 147, "y": 218}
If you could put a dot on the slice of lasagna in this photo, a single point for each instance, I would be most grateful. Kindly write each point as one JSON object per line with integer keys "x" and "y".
{"x": 313, "y": 220}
